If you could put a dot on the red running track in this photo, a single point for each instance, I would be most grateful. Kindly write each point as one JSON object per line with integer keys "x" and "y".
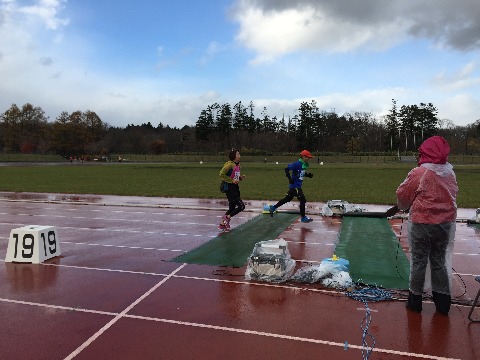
{"x": 113, "y": 294}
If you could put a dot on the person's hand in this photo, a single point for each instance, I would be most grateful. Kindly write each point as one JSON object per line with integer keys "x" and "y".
{"x": 235, "y": 181}
{"x": 309, "y": 175}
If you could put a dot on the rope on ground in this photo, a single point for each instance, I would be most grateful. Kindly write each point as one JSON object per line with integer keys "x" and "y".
{"x": 364, "y": 295}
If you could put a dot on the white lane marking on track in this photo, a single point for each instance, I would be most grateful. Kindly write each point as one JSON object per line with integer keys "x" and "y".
{"x": 287, "y": 337}
{"x": 207, "y": 326}
{"x": 151, "y": 213}
{"x": 293, "y": 288}
{"x": 127, "y": 220}
{"x": 122, "y": 314}
{"x": 98, "y": 229}
{"x": 461, "y": 274}
{"x": 57, "y": 307}
{"x": 363, "y": 309}
{"x": 132, "y": 231}
{"x": 120, "y": 246}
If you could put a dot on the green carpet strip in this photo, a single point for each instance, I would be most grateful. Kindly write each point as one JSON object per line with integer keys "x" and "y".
{"x": 474, "y": 224}
{"x": 374, "y": 252}
{"x": 234, "y": 248}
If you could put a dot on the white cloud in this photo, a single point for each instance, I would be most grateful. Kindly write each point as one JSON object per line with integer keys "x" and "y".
{"x": 377, "y": 101}
{"x": 463, "y": 108}
{"x": 212, "y": 50}
{"x": 47, "y": 11}
{"x": 55, "y": 69}
{"x": 275, "y": 34}
{"x": 463, "y": 79}
{"x": 276, "y": 28}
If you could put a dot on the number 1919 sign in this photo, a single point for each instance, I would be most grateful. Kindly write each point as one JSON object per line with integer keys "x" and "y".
{"x": 32, "y": 244}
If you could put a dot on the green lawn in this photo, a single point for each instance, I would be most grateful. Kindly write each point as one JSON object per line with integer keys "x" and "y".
{"x": 356, "y": 183}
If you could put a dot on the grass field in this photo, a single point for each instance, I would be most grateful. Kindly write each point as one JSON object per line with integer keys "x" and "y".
{"x": 195, "y": 158}
{"x": 364, "y": 183}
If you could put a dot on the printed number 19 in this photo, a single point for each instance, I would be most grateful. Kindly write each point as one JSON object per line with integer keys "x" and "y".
{"x": 51, "y": 241}
{"x": 28, "y": 243}
{"x": 27, "y": 246}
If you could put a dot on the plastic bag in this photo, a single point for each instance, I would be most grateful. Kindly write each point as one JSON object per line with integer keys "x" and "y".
{"x": 328, "y": 273}
{"x": 270, "y": 261}
{"x": 339, "y": 207}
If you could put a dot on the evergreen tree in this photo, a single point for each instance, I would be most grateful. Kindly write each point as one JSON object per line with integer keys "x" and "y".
{"x": 392, "y": 126}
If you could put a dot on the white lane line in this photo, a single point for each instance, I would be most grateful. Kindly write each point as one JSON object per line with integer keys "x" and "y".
{"x": 120, "y": 246}
{"x": 123, "y": 231}
{"x": 212, "y": 327}
{"x": 121, "y": 219}
{"x": 363, "y": 309}
{"x": 103, "y": 269}
{"x": 461, "y": 274}
{"x": 330, "y": 292}
{"x": 289, "y": 337}
{"x": 59, "y": 307}
{"x": 122, "y": 314}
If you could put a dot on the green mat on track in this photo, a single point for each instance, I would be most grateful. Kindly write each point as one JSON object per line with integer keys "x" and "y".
{"x": 474, "y": 225}
{"x": 234, "y": 248}
{"x": 374, "y": 253}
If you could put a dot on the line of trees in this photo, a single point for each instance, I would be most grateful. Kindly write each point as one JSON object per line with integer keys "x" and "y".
{"x": 400, "y": 131}
{"x": 27, "y": 130}
{"x": 221, "y": 127}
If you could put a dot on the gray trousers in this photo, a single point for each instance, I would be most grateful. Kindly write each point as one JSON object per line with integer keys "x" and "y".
{"x": 428, "y": 242}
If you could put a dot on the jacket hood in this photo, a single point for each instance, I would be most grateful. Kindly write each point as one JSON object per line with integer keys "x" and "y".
{"x": 434, "y": 150}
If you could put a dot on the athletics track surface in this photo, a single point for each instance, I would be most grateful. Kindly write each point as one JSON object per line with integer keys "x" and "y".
{"x": 113, "y": 294}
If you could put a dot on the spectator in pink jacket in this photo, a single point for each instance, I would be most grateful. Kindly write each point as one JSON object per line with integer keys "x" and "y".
{"x": 429, "y": 193}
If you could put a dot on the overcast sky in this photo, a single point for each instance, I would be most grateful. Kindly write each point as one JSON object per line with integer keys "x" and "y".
{"x": 164, "y": 61}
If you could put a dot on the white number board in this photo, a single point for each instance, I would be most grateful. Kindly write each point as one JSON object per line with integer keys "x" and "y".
{"x": 32, "y": 244}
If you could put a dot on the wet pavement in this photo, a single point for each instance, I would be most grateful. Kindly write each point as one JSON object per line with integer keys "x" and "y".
{"x": 114, "y": 294}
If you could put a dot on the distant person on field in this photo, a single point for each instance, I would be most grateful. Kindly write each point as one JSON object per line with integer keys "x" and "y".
{"x": 430, "y": 192}
{"x": 298, "y": 171}
{"x": 230, "y": 174}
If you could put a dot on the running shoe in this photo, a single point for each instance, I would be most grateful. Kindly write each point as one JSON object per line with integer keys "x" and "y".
{"x": 272, "y": 210}
{"x": 227, "y": 227}
{"x": 306, "y": 219}
{"x": 226, "y": 222}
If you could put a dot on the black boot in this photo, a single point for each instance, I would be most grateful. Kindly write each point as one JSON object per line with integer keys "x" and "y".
{"x": 442, "y": 302}
{"x": 414, "y": 302}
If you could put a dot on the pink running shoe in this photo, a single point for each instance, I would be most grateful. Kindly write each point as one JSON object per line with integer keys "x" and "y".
{"x": 226, "y": 222}
{"x": 227, "y": 227}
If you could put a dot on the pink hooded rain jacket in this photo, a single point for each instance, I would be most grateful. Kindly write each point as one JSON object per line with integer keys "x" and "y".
{"x": 430, "y": 190}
